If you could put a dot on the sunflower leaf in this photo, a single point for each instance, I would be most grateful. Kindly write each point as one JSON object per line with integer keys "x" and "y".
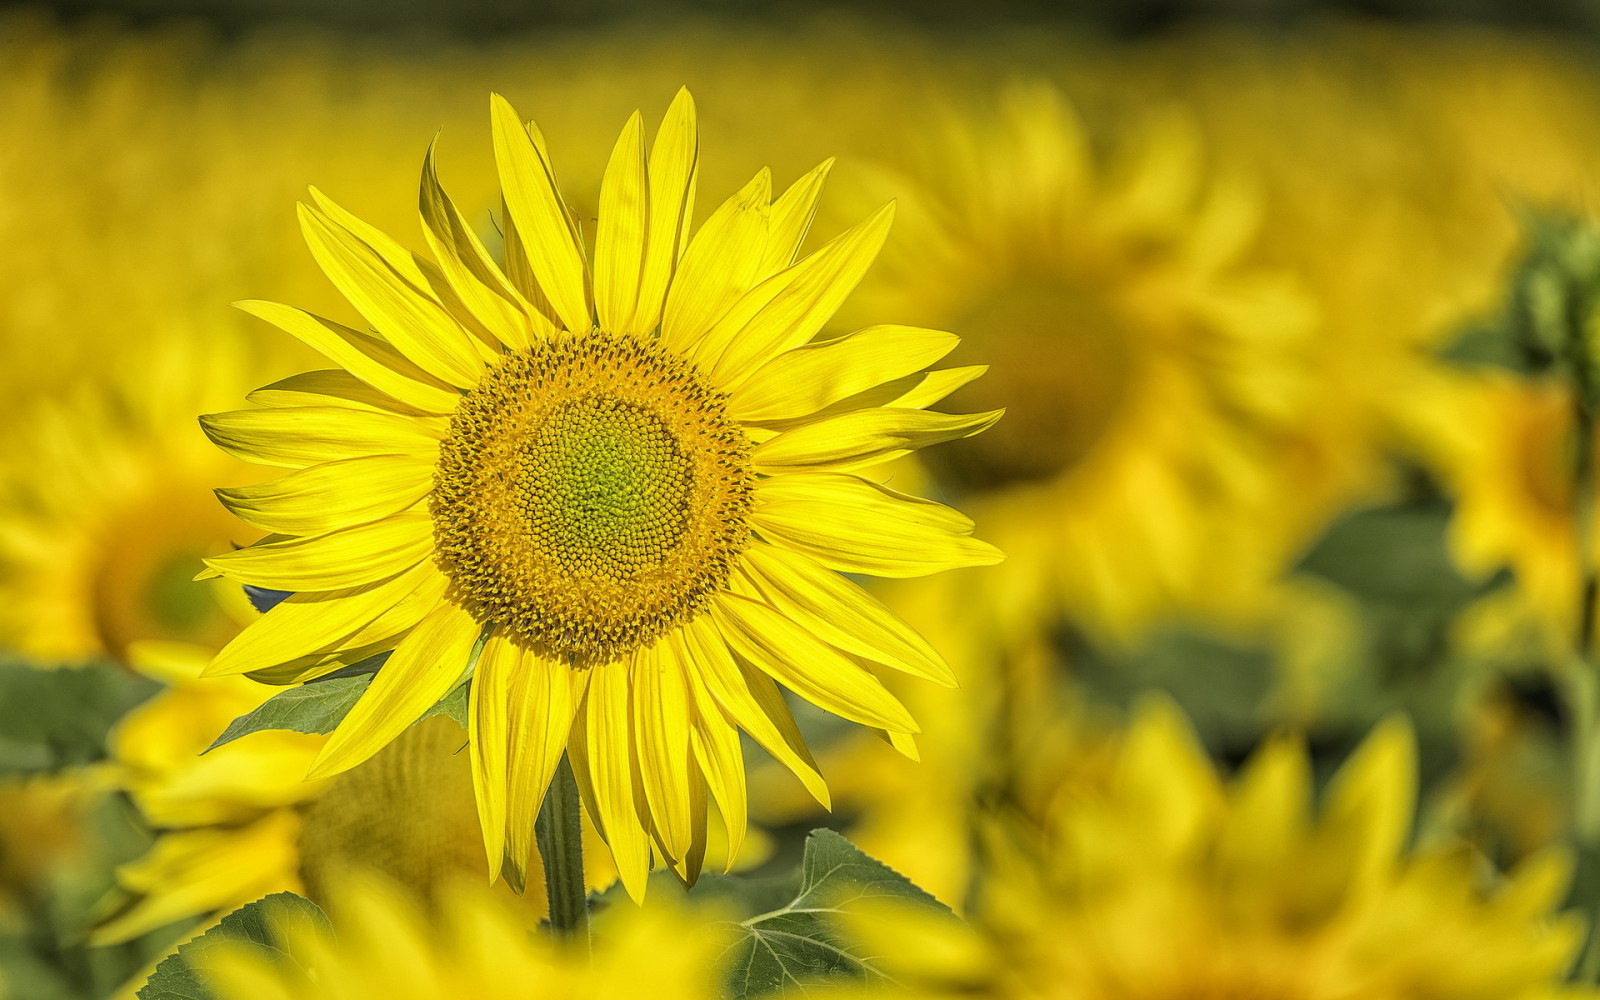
{"x": 51, "y": 719}
{"x": 801, "y": 941}
{"x": 319, "y": 706}
{"x": 306, "y": 708}
{"x": 260, "y": 926}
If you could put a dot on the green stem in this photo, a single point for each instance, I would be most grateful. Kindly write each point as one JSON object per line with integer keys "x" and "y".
{"x": 560, "y": 834}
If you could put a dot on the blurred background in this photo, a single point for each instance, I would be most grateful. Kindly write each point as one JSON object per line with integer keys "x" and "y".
{"x": 1292, "y": 307}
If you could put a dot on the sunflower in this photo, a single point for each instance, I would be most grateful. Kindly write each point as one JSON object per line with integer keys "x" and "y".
{"x": 1258, "y": 893}
{"x": 1146, "y": 364}
{"x": 618, "y": 493}
{"x": 472, "y": 945}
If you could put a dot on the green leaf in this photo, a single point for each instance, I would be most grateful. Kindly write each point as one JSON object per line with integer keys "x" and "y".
{"x": 316, "y": 707}
{"x": 55, "y": 718}
{"x": 800, "y": 941}
{"x": 319, "y": 706}
{"x": 260, "y": 925}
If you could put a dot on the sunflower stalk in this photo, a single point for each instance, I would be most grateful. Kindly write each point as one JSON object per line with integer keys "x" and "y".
{"x": 559, "y": 832}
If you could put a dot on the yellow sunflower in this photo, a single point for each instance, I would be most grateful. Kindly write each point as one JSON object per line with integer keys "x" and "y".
{"x": 472, "y": 945}
{"x": 1145, "y": 362}
{"x": 1256, "y": 891}
{"x": 620, "y": 491}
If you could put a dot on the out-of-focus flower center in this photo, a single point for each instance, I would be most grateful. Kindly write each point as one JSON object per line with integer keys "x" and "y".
{"x": 1061, "y": 362}
{"x": 591, "y": 495}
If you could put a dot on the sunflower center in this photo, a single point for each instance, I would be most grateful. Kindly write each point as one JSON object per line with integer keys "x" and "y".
{"x": 591, "y": 495}
{"x": 1062, "y": 361}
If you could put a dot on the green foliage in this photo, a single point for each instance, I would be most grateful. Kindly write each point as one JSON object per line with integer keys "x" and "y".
{"x": 181, "y": 976}
{"x": 52, "y": 719}
{"x": 789, "y": 934}
{"x": 1548, "y": 318}
{"x": 319, "y": 706}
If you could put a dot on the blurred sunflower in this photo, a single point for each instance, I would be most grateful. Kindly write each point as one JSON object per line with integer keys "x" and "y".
{"x": 1256, "y": 894}
{"x": 1143, "y": 363}
{"x": 474, "y": 945}
{"x": 98, "y": 554}
{"x": 1503, "y": 445}
{"x": 629, "y": 493}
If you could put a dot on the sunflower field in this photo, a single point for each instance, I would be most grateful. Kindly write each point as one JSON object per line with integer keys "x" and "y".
{"x": 746, "y": 501}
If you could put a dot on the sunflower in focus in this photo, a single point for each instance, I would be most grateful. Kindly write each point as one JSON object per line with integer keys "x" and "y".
{"x": 1258, "y": 893}
{"x": 1144, "y": 364}
{"x": 620, "y": 491}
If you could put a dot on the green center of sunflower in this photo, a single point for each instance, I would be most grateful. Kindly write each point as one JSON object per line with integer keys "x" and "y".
{"x": 591, "y": 495}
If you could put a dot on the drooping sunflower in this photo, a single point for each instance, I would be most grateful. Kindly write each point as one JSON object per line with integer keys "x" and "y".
{"x": 620, "y": 488}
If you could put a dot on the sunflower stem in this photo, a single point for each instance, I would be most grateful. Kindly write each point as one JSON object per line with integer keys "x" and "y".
{"x": 559, "y": 831}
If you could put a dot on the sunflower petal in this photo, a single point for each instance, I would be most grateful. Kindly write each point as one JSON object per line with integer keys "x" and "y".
{"x": 751, "y": 700}
{"x": 332, "y": 495}
{"x": 353, "y": 557}
{"x": 545, "y": 695}
{"x": 304, "y": 623}
{"x": 807, "y": 666}
{"x": 367, "y": 358}
{"x": 619, "y": 242}
{"x": 674, "y": 164}
{"x": 864, "y": 438}
{"x": 715, "y": 741}
{"x": 609, "y": 754}
{"x": 842, "y": 614}
{"x": 542, "y": 224}
{"x": 477, "y": 281}
{"x": 849, "y": 524}
{"x": 810, "y": 377}
{"x": 488, "y": 730}
{"x": 407, "y": 316}
{"x": 789, "y": 308}
{"x": 422, "y": 670}
{"x": 661, "y": 738}
{"x": 331, "y": 387}
{"x": 721, "y": 264}
{"x": 294, "y": 437}
{"x": 791, "y": 218}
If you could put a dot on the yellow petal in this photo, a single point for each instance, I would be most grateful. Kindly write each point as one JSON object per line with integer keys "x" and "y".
{"x": 402, "y": 261}
{"x": 808, "y": 378}
{"x": 472, "y": 273}
{"x": 331, "y": 387}
{"x": 791, "y": 218}
{"x": 608, "y": 752}
{"x": 619, "y": 242}
{"x": 332, "y": 495}
{"x": 422, "y": 670}
{"x": 367, "y": 358}
{"x": 545, "y": 695}
{"x": 864, "y": 438}
{"x": 488, "y": 740}
{"x": 294, "y": 437}
{"x": 753, "y": 702}
{"x": 841, "y": 613}
{"x": 847, "y": 523}
{"x": 408, "y": 317}
{"x": 304, "y": 623}
{"x": 935, "y": 386}
{"x": 674, "y": 164}
{"x": 806, "y": 665}
{"x": 353, "y": 557}
{"x": 661, "y": 739}
{"x": 722, "y": 262}
{"x": 715, "y": 741}
{"x": 542, "y": 224}
{"x": 789, "y": 308}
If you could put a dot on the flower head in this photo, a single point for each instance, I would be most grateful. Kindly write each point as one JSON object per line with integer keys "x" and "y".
{"x": 617, "y": 488}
